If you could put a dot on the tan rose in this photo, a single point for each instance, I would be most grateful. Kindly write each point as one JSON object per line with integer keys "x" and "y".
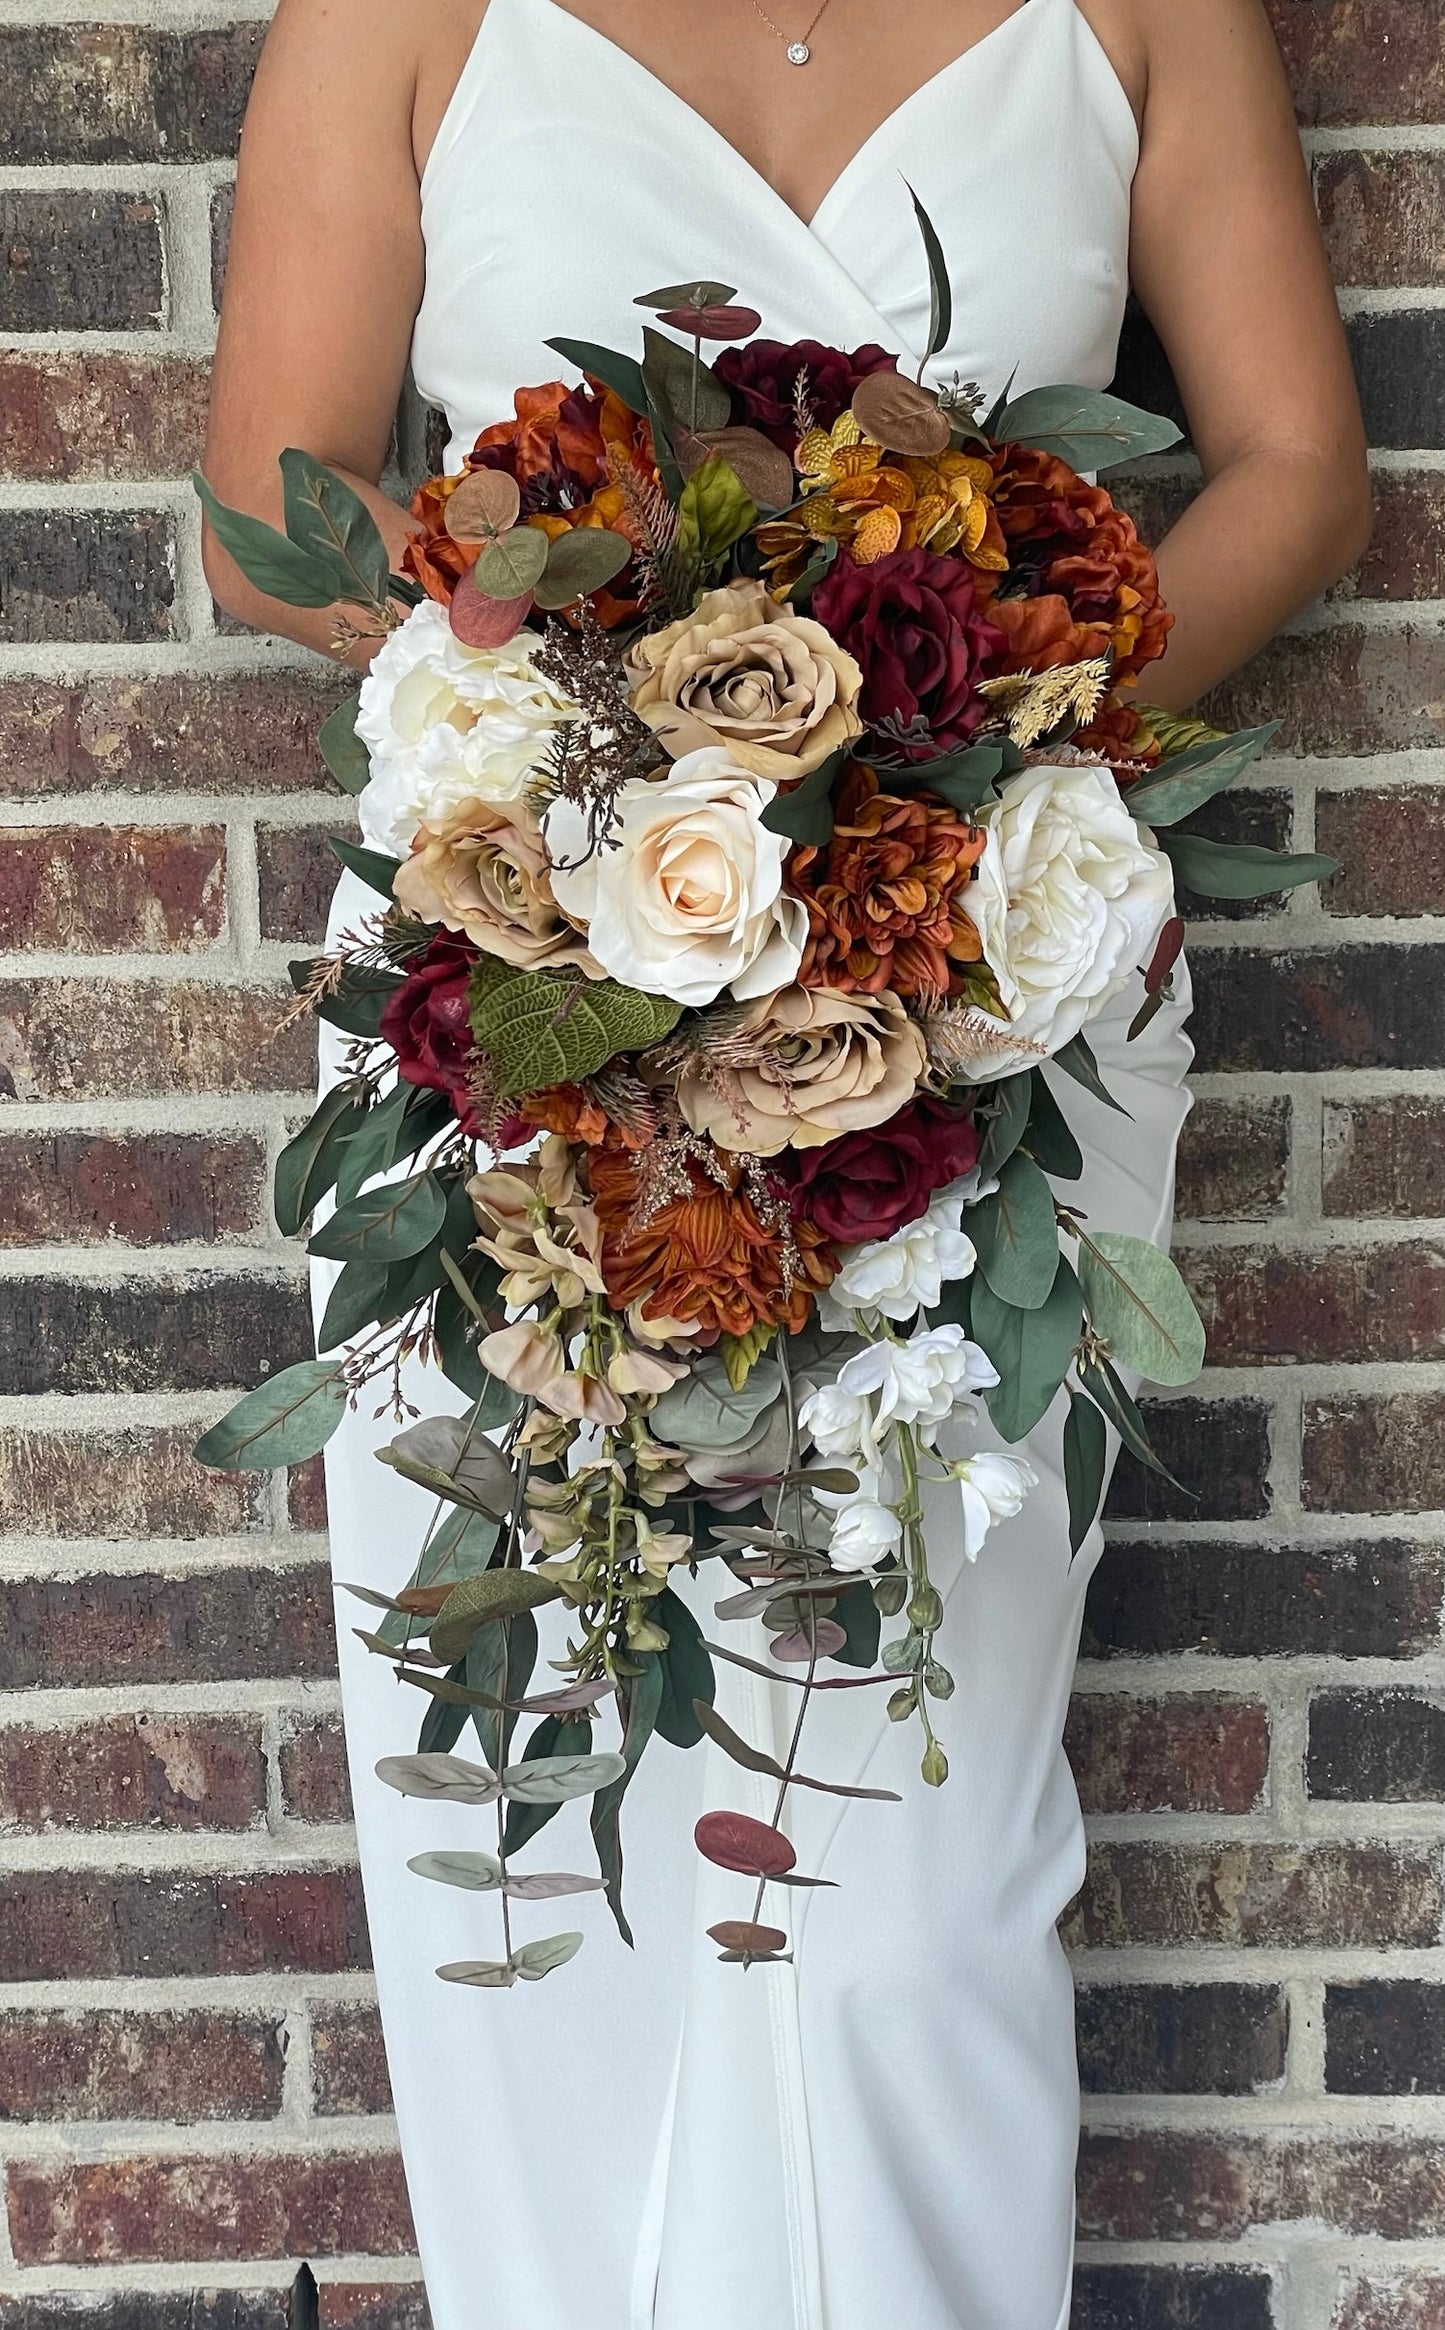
{"x": 482, "y": 869}
{"x": 823, "y": 1064}
{"x": 743, "y": 671}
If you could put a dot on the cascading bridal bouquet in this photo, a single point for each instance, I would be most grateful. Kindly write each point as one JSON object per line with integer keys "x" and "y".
{"x": 755, "y": 793}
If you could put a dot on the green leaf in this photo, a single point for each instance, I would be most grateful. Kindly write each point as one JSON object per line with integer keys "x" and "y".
{"x": 622, "y": 374}
{"x": 714, "y": 512}
{"x": 358, "y": 1300}
{"x": 356, "y": 1001}
{"x": 369, "y": 865}
{"x": 688, "y": 393}
{"x": 940, "y": 294}
{"x": 1077, "y": 1060}
{"x": 512, "y": 565}
{"x": 639, "y": 1699}
{"x": 555, "y": 1735}
{"x": 268, "y": 561}
{"x": 283, "y": 1422}
{"x": 1030, "y": 1349}
{"x": 962, "y": 779}
{"x": 404, "y": 1121}
{"x": 342, "y": 749}
{"x": 1047, "y": 1135}
{"x": 1003, "y": 1126}
{"x": 1089, "y": 428}
{"x": 859, "y": 1616}
{"x": 482, "y": 1601}
{"x": 534, "y": 1959}
{"x": 579, "y": 562}
{"x": 1103, "y": 1384}
{"x": 1017, "y": 1237}
{"x": 446, "y": 1718}
{"x": 1186, "y": 782}
{"x": 687, "y": 1671}
{"x": 546, "y": 1027}
{"x": 306, "y": 1168}
{"x": 473, "y": 1872}
{"x": 557, "y": 1779}
{"x": 1141, "y": 1306}
{"x": 805, "y": 812}
{"x": 1086, "y": 1448}
{"x": 384, "y": 1225}
{"x": 702, "y": 293}
{"x": 704, "y": 1411}
{"x": 326, "y": 518}
{"x": 1227, "y": 869}
{"x": 499, "y": 1665}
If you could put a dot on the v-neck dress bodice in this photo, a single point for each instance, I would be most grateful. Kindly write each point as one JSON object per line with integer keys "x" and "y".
{"x": 565, "y": 178}
{"x": 882, "y": 2130}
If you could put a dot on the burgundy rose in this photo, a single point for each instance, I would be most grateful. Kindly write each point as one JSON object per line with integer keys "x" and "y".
{"x": 763, "y": 377}
{"x": 913, "y": 624}
{"x": 427, "y": 1023}
{"x": 867, "y": 1185}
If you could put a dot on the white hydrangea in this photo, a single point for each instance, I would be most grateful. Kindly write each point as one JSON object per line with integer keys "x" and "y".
{"x": 445, "y": 723}
{"x": 898, "y": 1275}
{"x": 993, "y": 1489}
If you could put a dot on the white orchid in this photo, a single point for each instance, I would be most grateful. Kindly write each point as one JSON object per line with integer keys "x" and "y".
{"x": 899, "y": 1275}
{"x": 993, "y": 1488}
{"x": 920, "y": 1382}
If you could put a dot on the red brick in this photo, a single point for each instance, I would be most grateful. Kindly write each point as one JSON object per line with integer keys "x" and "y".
{"x": 1258, "y": 1895}
{"x": 133, "y": 1771}
{"x": 1170, "y": 2187}
{"x": 1383, "y": 215}
{"x": 198, "y": 1333}
{"x": 144, "y": 1188}
{"x": 141, "y": 1482}
{"x": 141, "y": 2309}
{"x": 297, "y": 872}
{"x": 306, "y": 1494}
{"x": 1187, "y": 1752}
{"x": 67, "y": 417}
{"x": 1348, "y": 1303}
{"x": 90, "y": 1925}
{"x": 1362, "y": 60}
{"x": 126, "y": 2064}
{"x": 1391, "y": 848}
{"x": 1381, "y": 1454}
{"x": 122, "y": 92}
{"x": 314, "y": 1782}
{"x": 72, "y": 259}
{"x": 1372, "y": 1599}
{"x": 382, "y": 2306}
{"x": 1234, "y": 1160}
{"x": 1342, "y": 690}
{"x": 119, "y": 1628}
{"x": 1151, "y": 2297}
{"x": 1385, "y": 1158}
{"x": 113, "y": 2212}
{"x": 80, "y": 576}
{"x": 348, "y": 2062}
{"x": 82, "y": 1039}
{"x": 1181, "y": 2038}
{"x": 1406, "y": 557}
{"x": 1392, "y": 2301}
{"x": 131, "y": 734}
{"x": 1304, "y": 1013}
{"x": 92, "y": 889}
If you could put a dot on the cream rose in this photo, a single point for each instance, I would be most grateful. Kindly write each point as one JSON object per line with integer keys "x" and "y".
{"x": 1069, "y": 898}
{"x": 687, "y": 897}
{"x": 743, "y": 671}
{"x": 823, "y": 1064}
{"x": 483, "y": 870}
{"x": 445, "y": 723}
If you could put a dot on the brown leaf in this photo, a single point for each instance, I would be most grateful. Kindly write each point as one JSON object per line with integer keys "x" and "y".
{"x": 897, "y": 413}
{"x": 752, "y": 1941}
{"x": 484, "y": 504}
{"x": 713, "y": 323}
{"x": 797, "y": 1647}
{"x": 733, "y": 1840}
{"x": 762, "y": 469}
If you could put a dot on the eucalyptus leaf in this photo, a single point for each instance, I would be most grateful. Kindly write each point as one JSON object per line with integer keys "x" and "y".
{"x": 356, "y": 1001}
{"x": 471, "y": 1872}
{"x": 687, "y": 1671}
{"x": 687, "y": 390}
{"x": 940, "y": 295}
{"x": 548, "y": 1885}
{"x": 328, "y": 518}
{"x": 357, "y": 1301}
{"x": 1016, "y": 1235}
{"x": 1086, "y": 1449}
{"x": 342, "y": 749}
{"x": 702, "y": 293}
{"x": 541, "y": 1027}
{"x": 1183, "y": 784}
{"x": 579, "y": 562}
{"x": 805, "y": 812}
{"x": 370, "y": 866}
{"x": 622, "y": 374}
{"x": 702, "y": 1411}
{"x": 269, "y": 562}
{"x": 639, "y": 1699}
{"x": 480, "y": 1973}
{"x": 1102, "y": 1382}
{"x": 1076, "y": 1058}
{"x": 963, "y": 779}
{"x": 556, "y": 1779}
{"x": 482, "y": 1601}
{"x": 305, "y": 1169}
{"x": 1138, "y": 1302}
{"x": 1030, "y": 1349}
{"x": 287, "y": 1419}
{"x": 1003, "y": 1126}
{"x": 556, "y": 1735}
{"x": 1227, "y": 869}
{"x": 534, "y": 1959}
{"x": 1089, "y": 428}
{"x": 499, "y": 1664}
{"x": 1047, "y": 1135}
{"x": 384, "y": 1225}
{"x": 512, "y": 566}
{"x": 440, "y": 1779}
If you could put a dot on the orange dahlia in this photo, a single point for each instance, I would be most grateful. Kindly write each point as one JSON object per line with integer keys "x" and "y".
{"x": 705, "y": 1257}
{"x": 882, "y": 896}
{"x": 1079, "y": 581}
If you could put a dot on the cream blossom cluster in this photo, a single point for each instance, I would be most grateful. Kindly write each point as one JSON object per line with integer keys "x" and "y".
{"x": 901, "y": 1275}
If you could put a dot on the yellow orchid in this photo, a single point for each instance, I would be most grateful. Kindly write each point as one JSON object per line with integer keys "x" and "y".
{"x": 856, "y": 492}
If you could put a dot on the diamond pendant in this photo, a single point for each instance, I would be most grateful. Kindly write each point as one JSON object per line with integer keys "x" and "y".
{"x": 798, "y": 52}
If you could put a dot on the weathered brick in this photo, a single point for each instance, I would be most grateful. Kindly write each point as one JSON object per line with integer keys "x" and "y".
{"x": 1383, "y": 214}
{"x": 1234, "y": 1160}
{"x": 348, "y": 2062}
{"x": 298, "y": 872}
{"x": 92, "y": 889}
{"x": 1391, "y": 848}
{"x": 1262, "y": 821}
{"x": 1383, "y": 1454}
{"x": 306, "y": 1494}
{"x": 84, "y": 1039}
{"x": 353, "y": 2204}
{"x": 1342, "y": 1896}
{"x": 1175, "y": 2187}
{"x": 1189, "y": 2038}
{"x": 1362, "y": 60}
{"x": 75, "y": 260}
{"x": 1183, "y": 1752}
{"x": 136, "y": 1335}
{"x": 122, "y": 92}
{"x": 1346, "y": 1303}
{"x": 124, "y": 1627}
{"x": 200, "y": 2309}
{"x": 1218, "y": 1450}
{"x": 1372, "y": 1600}
{"x": 139, "y": 1482}
{"x": 382, "y": 2306}
{"x": 314, "y": 1782}
{"x": 1406, "y": 557}
{"x": 133, "y": 1771}
{"x": 146, "y": 1188}
{"x": 1300, "y": 1013}
{"x": 1385, "y": 1747}
{"x": 1385, "y": 1159}
{"x": 82, "y": 575}
{"x": 1342, "y": 690}
{"x": 1392, "y": 2301}
{"x": 90, "y": 1925}
{"x": 1399, "y": 360}
{"x": 69, "y": 416}
{"x": 223, "y": 205}
{"x": 127, "y": 2064}
{"x": 1385, "y": 2038}
{"x": 1166, "y": 2297}
{"x": 255, "y": 733}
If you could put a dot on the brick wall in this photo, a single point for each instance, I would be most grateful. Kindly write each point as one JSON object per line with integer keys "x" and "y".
{"x": 191, "y": 2092}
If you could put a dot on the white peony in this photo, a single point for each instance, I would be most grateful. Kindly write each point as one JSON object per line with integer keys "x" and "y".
{"x": 687, "y": 898}
{"x": 920, "y": 1382}
{"x": 446, "y": 723}
{"x": 897, "y": 1275}
{"x": 836, "y": 1421}
{"x": 1069, "y": 899}
{"x": 993, "y": 1489}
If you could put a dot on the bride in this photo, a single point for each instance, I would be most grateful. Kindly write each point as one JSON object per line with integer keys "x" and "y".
{"x": 882, "y": 2132}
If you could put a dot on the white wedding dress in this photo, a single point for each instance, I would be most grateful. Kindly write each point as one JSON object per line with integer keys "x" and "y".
{"x": 883, "y": 2132}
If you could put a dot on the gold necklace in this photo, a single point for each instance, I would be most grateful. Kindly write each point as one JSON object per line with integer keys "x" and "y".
{"x": 797, "y": 51}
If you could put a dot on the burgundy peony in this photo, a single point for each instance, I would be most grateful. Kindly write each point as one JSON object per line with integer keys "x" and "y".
{"x": 867, "y": 1185}
{"x": 763, "y": 377}
{"x": 428, "y": 1025}
{"x": 914, "y": 625}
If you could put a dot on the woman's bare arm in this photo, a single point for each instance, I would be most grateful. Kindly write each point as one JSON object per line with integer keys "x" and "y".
{"x": 324, "y": 275}
{"x": 1227, "y": 259}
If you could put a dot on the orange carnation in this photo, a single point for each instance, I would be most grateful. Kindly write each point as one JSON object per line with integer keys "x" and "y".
{"x": 882, "y": 897}
{"x": 1088, "y": 583}
{"x": 706, "y": 1257}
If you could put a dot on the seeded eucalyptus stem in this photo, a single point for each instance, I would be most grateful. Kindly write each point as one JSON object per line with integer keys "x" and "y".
{"x": 925, "y": 1604}
{"x": 810, "y": 1611}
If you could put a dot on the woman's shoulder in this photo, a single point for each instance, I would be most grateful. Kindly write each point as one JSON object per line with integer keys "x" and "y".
{"x": 380, "y": 61}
